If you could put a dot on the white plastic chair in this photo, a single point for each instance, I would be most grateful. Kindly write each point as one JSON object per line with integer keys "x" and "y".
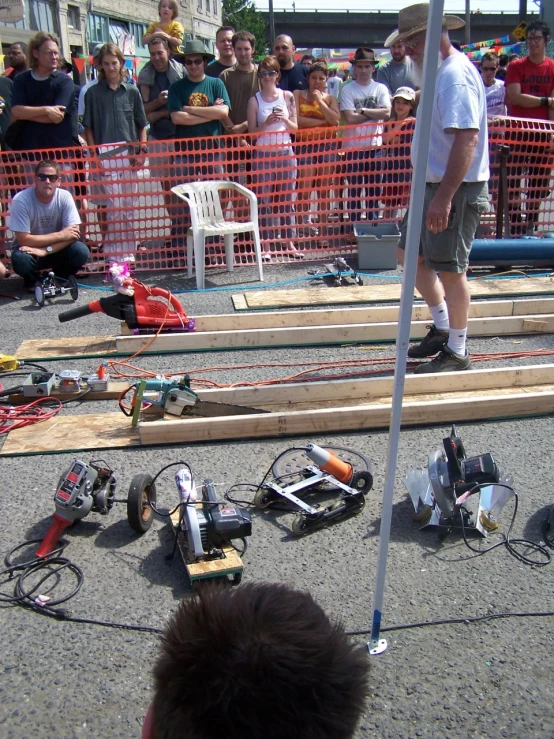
{"x": 207, "y": 220}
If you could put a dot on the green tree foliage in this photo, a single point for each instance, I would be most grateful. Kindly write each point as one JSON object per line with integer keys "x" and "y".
{"x": 243, "y": 16}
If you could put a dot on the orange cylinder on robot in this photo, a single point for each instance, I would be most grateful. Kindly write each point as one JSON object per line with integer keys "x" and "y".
{"x": 329, "y": 462}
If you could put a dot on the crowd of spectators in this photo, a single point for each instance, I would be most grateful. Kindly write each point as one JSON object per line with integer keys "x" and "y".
{"x": 285, "y": 119}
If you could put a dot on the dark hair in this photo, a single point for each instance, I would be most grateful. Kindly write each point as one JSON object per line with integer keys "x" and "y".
{"x": 503, "y": 60}
{"x": 244, "y": 36}
{"x": 262, "y": 660}
{"x": 489, "y": 56}
{"x": 224, "y": 28}
{"x": 36, "y": 42}
{"x": 111, "y": 50}
{"x": 47, "y": 163}
{"x": 318, "y": 67}
{"x": 307, "y": 57}
{"x": 158, "y": 40}
{"x": 23, "y": 46}
{"x": 513, "y": 57}
{"x": 457, "y": 45}
{"x": 541, "y": 26}
{"x": 66, "y": 66}
{"x": 269, "y": 62}
{"x": 173, "y": 6}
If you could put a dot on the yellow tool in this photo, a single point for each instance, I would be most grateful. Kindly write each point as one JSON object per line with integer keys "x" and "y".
{"x": 9, "y": 363}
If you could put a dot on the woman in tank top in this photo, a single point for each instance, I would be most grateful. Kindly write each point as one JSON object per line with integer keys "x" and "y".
{"x": 272, "y": 116}
{"x": 318, "y": 118}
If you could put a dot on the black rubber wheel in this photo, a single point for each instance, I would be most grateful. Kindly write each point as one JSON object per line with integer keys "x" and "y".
{"x": 139, "y": 512}
{"x": 73, "y": 287}
{"x": 39, "y": 294}
{"x": 237, "y": 578}
{"x": 299, "y": 525}
{"x": 362, "y": 481}
{"x": 263, "y": 498}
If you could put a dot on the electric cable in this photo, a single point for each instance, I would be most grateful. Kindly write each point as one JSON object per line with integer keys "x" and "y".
{"x": 507, "y": 541}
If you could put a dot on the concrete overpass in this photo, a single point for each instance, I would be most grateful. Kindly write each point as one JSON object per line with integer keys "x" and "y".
{"x": 336, "y": 30}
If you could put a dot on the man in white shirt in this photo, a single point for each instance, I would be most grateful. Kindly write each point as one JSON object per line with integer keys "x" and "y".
{"x": 333, "y": 83}
{"x": 46, "y": 225}
{"x": 456, "y": 191}
{"x": 365, "y": 104}
{"x": 495, "y": 92}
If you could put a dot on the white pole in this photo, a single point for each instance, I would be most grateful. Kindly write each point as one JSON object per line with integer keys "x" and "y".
{"x": 421, "y": 141}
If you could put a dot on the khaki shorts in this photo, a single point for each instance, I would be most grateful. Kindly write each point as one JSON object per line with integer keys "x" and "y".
{"x": 448, "y": 251}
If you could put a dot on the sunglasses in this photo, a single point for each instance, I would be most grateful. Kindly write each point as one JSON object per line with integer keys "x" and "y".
{"x": 50, "y": 177}
{"x": 268, "y": 74}
{"x": 489, "y": 69}
{"x": 194, "y": 62}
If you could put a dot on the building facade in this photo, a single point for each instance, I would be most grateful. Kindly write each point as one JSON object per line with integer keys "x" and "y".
{"x": 80, "y": 25}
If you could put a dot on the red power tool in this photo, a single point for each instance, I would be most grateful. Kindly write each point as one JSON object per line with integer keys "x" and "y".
{"x": 83, "y": 488}
{"x": 146, "y": 311}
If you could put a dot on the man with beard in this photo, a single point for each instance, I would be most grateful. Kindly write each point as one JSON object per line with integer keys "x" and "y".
{"x": 294, "y": 76}
{"x": 17, "y": 59}
{"x": 455, "y": 193}
{"x": 399, "y": 71}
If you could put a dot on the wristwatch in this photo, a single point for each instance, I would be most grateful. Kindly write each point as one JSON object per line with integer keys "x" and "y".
{"x": 49, "y": 249}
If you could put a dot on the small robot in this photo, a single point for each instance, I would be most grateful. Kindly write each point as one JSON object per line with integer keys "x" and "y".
{"x": 49, "y": 287}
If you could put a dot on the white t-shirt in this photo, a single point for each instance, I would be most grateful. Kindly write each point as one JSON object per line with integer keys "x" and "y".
{"x": 333, "y": 84}
{"x": 265, "y": 109}
{"x": 82, "y": 93}
{"x": 496, "y": 98}
{"x": 354, "y": 96}
{"x": 460, "y": 104}
{"x": 29, "y": 215}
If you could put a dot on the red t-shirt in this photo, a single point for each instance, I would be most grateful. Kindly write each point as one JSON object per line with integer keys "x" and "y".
{"x": 535, "y": 79}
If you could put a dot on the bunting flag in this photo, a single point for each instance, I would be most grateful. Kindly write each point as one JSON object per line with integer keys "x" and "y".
{"x": 490, "y": 42}
{"x": 476, "y": 55}
{"x": 79, "y": 64}
{"x": 2, "y": 58}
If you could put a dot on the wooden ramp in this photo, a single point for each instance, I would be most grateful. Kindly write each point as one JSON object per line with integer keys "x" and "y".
{"x": 254, "y": 330}
{"x": 490, "y": 288}
{"x": 72, "y": 434}
{"x": 308, "y": 409}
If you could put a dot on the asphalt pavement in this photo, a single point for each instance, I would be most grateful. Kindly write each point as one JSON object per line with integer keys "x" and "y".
{"x": 489, "y": 679}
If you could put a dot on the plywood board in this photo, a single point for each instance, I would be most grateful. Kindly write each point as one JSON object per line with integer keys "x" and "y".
{"x": 362, "y": 333}
{"x": 264, "y": 299}
{"x": 72, "y": 434}
{"x": 71, "y": 347}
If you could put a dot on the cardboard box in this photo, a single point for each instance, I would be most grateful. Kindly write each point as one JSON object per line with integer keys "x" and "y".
{"x": 376, "y": 245}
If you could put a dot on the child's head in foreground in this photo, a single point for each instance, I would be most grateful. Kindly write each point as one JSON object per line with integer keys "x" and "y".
{"x": 261, "y": 661}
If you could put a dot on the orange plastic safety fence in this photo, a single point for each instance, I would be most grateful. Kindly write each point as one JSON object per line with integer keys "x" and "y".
{"x": 312, "y": 195}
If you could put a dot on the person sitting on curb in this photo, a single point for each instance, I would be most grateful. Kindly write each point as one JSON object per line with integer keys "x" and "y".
{"x": 46, "y": 225}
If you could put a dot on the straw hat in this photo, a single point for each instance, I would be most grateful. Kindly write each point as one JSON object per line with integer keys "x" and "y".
{"x": 413, "y": 20}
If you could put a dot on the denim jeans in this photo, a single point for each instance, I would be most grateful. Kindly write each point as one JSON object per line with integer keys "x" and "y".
{"x": 63, "y": 263}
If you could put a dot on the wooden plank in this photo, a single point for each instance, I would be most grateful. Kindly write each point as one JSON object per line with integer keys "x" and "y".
{"x": 113, "y": 430}
{"x": 114, "y": 391}
{"x": 263, "y": 299}
{"x": 372, "y": 388}
{"x": 349, "y": 418}
{"x": 85, "y": 345}
{"x": 72, "y": 434}
{"x": 321, "y": 335}
{"x": 70, "y": 347}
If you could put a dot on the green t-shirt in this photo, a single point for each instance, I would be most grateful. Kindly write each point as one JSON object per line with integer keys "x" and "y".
{"x": 201, "y": 94}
